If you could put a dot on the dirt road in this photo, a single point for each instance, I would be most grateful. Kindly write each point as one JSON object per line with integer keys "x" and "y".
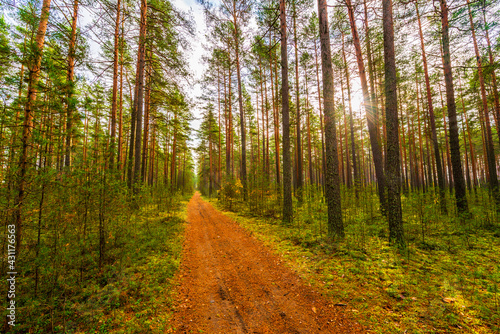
{"x": 232, "y": 283}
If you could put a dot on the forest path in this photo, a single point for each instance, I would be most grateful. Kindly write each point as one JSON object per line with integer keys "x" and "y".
{"x": 232, "y": 283}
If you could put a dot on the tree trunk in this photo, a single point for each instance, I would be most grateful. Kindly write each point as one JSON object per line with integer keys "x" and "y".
{"x": 140, "y": 92}
{"x": 71, "y": 103}
{"x": 393, "y": 164}
{"x": 458, "y": 176}
{"x": 147, "y": 111}
{"x": 493, "y": 75}
{"x": 276, "y": 122}
{"x": 34, "y": 75}
{"x": 371, "y": 111}
{"x": 115, "y": 88}
{"x": 432, "y": 120}
{"x": 490, "y": 150}
{"x": 242, "y": 112}
{"x": 335, "y": 224}
{"x": 297, "y": 102}
{"x": 285, "y": 109}
{"x": 323, "y": 159}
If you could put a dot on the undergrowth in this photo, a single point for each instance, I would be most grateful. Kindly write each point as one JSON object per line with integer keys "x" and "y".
{"x": 133, "y": 292}
{"x": 446, "y": 281}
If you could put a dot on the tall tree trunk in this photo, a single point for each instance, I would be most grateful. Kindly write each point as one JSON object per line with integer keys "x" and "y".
{"x": 371, "y": 111}
{"x": 147, "y": 111}
{"x": 140, "y": 92}
{"x": 393, "y": 165}
{"x": 490, "y": 150}
{"x": 242, "y": 112}
{"x": 34, "y": 75}
{"x": 335, "y": 224}
{"x": 432, "y": 119}
{"x": 276, "y": 120}
{"x": 308, "y": 122}
{"x": 285, "y": 109}
{"x": 120, "y": 116}
{"x": 323, "y": 159}
{"x": 458, "y": 176}
{"x": 493, "y": 75}
{"x": 297, "y": 102}
{"x": 348, "y": 84}
{"x": 133, "y": 122}
{"x": 115, "y": 88}
{"x": 71, "y": 103}
{"x": 218, "y": 110}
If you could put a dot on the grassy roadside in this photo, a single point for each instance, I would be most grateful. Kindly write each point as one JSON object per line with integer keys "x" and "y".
{"x": 141, "y": 299}
{"x": 134, "y": 294}
{"x": 428, "y": 289}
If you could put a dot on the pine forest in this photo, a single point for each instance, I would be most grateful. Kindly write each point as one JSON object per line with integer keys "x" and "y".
{"x": 250, "y": 166}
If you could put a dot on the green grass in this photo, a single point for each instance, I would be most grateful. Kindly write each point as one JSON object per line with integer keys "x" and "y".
{"x": 446, "y": 281}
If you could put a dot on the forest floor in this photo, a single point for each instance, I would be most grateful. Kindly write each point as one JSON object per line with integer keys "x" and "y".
{"x": 230, "y": 282}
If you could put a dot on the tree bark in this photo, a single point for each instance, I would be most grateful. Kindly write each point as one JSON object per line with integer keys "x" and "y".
{"x": 335, "y": 224}
{"x": 393, "y": 165}
{"x": 285, "y": 109}
{"x": 458, "y": 176}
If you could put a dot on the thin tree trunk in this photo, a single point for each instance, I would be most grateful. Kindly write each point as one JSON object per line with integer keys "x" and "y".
{"x": 323, "y": 159}
{"x": 285, "y": 108}
{"x": 276, "y": 121}
{"x": 297, "y": 102}
{"x": 242, "y": 112}
{"x": 493, "y": 75}
{"x": 490, "y": 150}
{"x": 432, "y": 120}
{"x": 140, "y": 92}
{"x": 145, "y": 140}
{"x": 71, "y": 103}
{"x": 115, "y": 88}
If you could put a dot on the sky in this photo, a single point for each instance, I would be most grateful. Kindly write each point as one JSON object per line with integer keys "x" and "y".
{"x": 194, "y": 58}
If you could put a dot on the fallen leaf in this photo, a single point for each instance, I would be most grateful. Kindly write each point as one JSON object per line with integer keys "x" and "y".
{"x": 314, "y": 309}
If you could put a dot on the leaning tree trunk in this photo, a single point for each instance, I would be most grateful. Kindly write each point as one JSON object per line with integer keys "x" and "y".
{"x": 456, "y": 162}
{"x": 370, "y": 107}
{"x": 393, "y": 165}
{"x": 28, "y": 120}
{"x": 490, "y": 150}
{"x": 332, "y": 190}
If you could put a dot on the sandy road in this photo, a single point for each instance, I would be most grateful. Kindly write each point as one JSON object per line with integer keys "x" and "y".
{"x": 232, "y": 283}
